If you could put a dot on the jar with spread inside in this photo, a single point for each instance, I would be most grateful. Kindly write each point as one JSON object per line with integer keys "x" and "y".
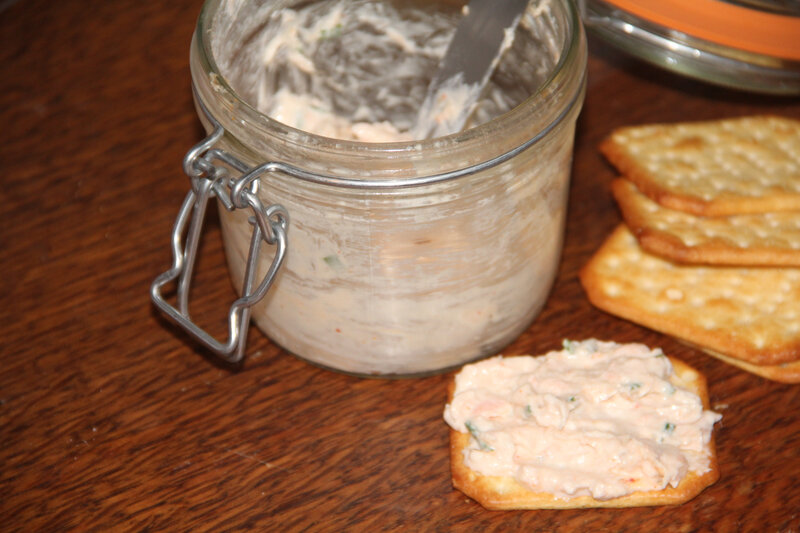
{"x": 394, "y": 255}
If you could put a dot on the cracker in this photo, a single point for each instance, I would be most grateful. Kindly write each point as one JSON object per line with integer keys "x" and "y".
{"x": 505, "y": 493}
{"x": 715, "y": 168}
{"x": 749, "y": 314}
{"x": 762, "y": 239}
{"x": 783, "y": 373}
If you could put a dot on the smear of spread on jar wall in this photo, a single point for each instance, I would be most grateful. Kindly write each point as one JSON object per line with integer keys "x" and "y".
{"x": 359, "y": 70}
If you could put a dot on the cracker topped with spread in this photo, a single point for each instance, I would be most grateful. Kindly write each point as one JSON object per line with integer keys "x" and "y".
{"x": 597, "y": 424}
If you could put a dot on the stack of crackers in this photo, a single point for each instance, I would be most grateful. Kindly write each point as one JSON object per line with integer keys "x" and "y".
{"x": 710, "y": 249}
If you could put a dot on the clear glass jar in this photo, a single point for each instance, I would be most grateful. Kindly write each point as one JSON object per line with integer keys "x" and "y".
{"x": 751, "y": 45}
{"x": 406, "y": 258}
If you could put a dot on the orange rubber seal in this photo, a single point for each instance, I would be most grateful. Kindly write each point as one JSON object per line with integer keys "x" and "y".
{"x": 723, "y": 23}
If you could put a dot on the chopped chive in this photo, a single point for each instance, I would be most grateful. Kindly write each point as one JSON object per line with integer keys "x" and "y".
{"x": 475, "y": 434}
{"x": 333, "y": 262}
{"x": 330, "y": 33}
{"x": 669, "y": 427}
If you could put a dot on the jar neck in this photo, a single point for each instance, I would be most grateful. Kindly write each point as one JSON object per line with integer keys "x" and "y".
{"x": 258, "y": 137}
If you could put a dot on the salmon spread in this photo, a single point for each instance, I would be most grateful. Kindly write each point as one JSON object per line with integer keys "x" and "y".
{"x": 598, "y": 418}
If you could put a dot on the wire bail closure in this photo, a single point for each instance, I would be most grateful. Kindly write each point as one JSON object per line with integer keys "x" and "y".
{"x": 269, "y": 225}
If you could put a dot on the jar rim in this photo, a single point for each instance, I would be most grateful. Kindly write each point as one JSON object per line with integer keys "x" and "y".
{"x": 572, "y": 51}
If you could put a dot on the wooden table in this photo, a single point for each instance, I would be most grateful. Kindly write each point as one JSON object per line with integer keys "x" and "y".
{"x": 109, "y": 420}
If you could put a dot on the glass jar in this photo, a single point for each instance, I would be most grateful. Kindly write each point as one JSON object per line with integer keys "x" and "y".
{"x": 751, "y": 45}
{"x": 401, "y": 258}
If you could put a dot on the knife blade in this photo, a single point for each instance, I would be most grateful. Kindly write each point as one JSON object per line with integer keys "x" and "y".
{"x": 483, "y": 34}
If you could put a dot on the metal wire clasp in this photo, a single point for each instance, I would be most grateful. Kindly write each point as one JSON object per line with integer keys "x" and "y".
{"x": 269, "y": 225}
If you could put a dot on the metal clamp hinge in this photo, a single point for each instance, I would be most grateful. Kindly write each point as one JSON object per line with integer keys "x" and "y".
{"x": 269, "y": 225}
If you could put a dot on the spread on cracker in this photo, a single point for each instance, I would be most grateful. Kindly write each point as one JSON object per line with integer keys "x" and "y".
{"x": 597, "y": 424}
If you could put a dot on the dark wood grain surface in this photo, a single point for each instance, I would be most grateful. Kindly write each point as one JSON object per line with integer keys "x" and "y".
{"x": 109, "y": 420}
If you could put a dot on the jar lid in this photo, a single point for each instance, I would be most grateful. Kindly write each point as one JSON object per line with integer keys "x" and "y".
{"x": 747, "y": 44}
{"x": 741, "y": 27}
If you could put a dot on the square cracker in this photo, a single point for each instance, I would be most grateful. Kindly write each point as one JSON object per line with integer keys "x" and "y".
{"x": 763, "y": 239}
{"x": 506, "y": 493}
{"x": 749, "y": 314}
{"x": 714, "y": 168}
{"x": 783, "y": 373}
